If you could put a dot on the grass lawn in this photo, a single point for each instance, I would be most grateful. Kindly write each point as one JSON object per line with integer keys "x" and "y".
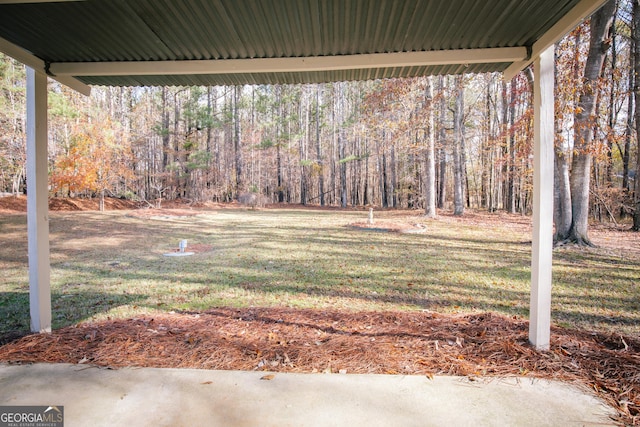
{"x": 111, "y": 265}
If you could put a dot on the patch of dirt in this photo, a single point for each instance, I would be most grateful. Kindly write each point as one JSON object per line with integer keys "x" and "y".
{"x": 196, "y": 248}
{"x": 299, "y": 340}
{"x": 110, "y": 204}
{"x": 163, "y": 212}
{"x": 393, "y": 227}
{"x": 14, "y": 204}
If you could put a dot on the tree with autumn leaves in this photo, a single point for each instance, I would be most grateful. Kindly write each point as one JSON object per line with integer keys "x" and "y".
{"x": 96, "y": 160}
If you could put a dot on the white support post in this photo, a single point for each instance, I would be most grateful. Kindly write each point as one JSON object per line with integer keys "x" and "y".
{"x": 37, "y": 202}
{"x": 542, "y": 247}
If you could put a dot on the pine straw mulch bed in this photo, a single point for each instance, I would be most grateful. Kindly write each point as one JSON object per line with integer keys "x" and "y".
{"x": 304, "y": 340}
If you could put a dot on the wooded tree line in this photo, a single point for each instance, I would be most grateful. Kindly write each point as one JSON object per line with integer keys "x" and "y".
{"x": 448, "y": 142}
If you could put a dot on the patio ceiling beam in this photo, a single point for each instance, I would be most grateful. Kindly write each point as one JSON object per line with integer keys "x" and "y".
{"x": 34, "y": 1}
{"x": 571, "y": 20}
{"x": 38, "y": 64}
{"x": 283, "y": 65}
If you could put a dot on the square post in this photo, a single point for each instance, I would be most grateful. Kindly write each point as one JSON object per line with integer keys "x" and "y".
{"x": 38, "y": 202}
{"x": 542, "y": 244}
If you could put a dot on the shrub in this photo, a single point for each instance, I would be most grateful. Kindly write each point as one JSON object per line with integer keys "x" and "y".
{"x": 252, "y": 200}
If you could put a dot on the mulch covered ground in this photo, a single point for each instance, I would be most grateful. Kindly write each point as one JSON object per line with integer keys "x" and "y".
{"x": 13, "y": 204}
{"x": 299, "y": 340}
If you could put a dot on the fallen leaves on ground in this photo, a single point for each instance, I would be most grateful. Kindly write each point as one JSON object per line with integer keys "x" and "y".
{"x": 296, "y": 340}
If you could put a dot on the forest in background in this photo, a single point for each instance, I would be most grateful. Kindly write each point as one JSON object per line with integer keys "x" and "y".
{"x": 451, "y": 142}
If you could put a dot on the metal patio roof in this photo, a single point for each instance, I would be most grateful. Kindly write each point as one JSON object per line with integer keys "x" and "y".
{"x": 223, "y": 42}
{"x": 228, "y": 42}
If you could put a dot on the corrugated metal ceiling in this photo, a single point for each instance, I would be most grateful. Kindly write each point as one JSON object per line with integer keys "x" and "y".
{"x": 154, "y": 30}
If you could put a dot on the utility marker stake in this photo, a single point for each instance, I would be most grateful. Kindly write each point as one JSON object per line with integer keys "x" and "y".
{"x": 182, "y": 245}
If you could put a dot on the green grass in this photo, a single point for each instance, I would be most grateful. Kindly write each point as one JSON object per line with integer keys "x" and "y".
{"x": 111, "y": 265}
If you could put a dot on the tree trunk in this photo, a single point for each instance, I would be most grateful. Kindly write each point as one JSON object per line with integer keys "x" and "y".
{"x": 430, "y": 157}
{"x": 165, "y": 130}
{"x": 365, "y": 191}
{"x": 278, "y": 121}
{"x": 486, "y": 163}
{"x": 561, "y": 196}
{"x": 504, "y": 179}
{"x": 383, "y": 182}
{"x": 442, "y": 153}
{"x": 342, "y": 142}
{"x": 175, "y": 156}
{"x": 101, "y": 203}
{"x": 442, "y": 178}
{"x": 343, "y": 172}
{"x": 303, "y": 171}
{"x": 458, "y": 167}
{"x": 626, "y": 157}
{"x": 636, "y": 92}
{"x": 319, "y": 149}
{"x": 581, "y": 166}
{"x": 512, "y": 151}
{"x": 608, "y": 177}
{"x": 236, "y": 141}
{"x": 394, "y": 183}
{"x": 561, "y": 182}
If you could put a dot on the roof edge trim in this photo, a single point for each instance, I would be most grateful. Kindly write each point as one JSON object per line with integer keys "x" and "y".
{"x": 34, "y": 1}
{"x": 39, "y": 65}
{"x": 572, "y": 19}
{"x": 303, "y": 64}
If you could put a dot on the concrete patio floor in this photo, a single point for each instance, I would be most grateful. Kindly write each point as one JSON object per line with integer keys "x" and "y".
{"x": 94, "y": 396}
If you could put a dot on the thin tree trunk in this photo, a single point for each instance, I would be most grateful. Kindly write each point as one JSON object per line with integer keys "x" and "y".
{"x": 303, "y": 167}
{"x": 343, "y": 169}
{"x": 636, "y": 91}
{"x": 165, "y": 130}
{"x": 612, "y": 107}
{"x": 504, "y": 179}
{"x": 319, "y": 149}
{"x": 383, "y": 178}
{"x": 279, "y": 180}
{"x": 486, "y": 163}
{"x": 342, "y": 142}
{"x": 442, "y": 153}
{"x": 458, "y": 184}
{"x": 365, "y": 192}
{"x": 394, "y": 183}
{"x": 512, "y": 151}
{"x": 236, "y": 140}
{"x": 175, "y": 159}
{"x": 626, "y": 157}
{"x": 430, "y": 156}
